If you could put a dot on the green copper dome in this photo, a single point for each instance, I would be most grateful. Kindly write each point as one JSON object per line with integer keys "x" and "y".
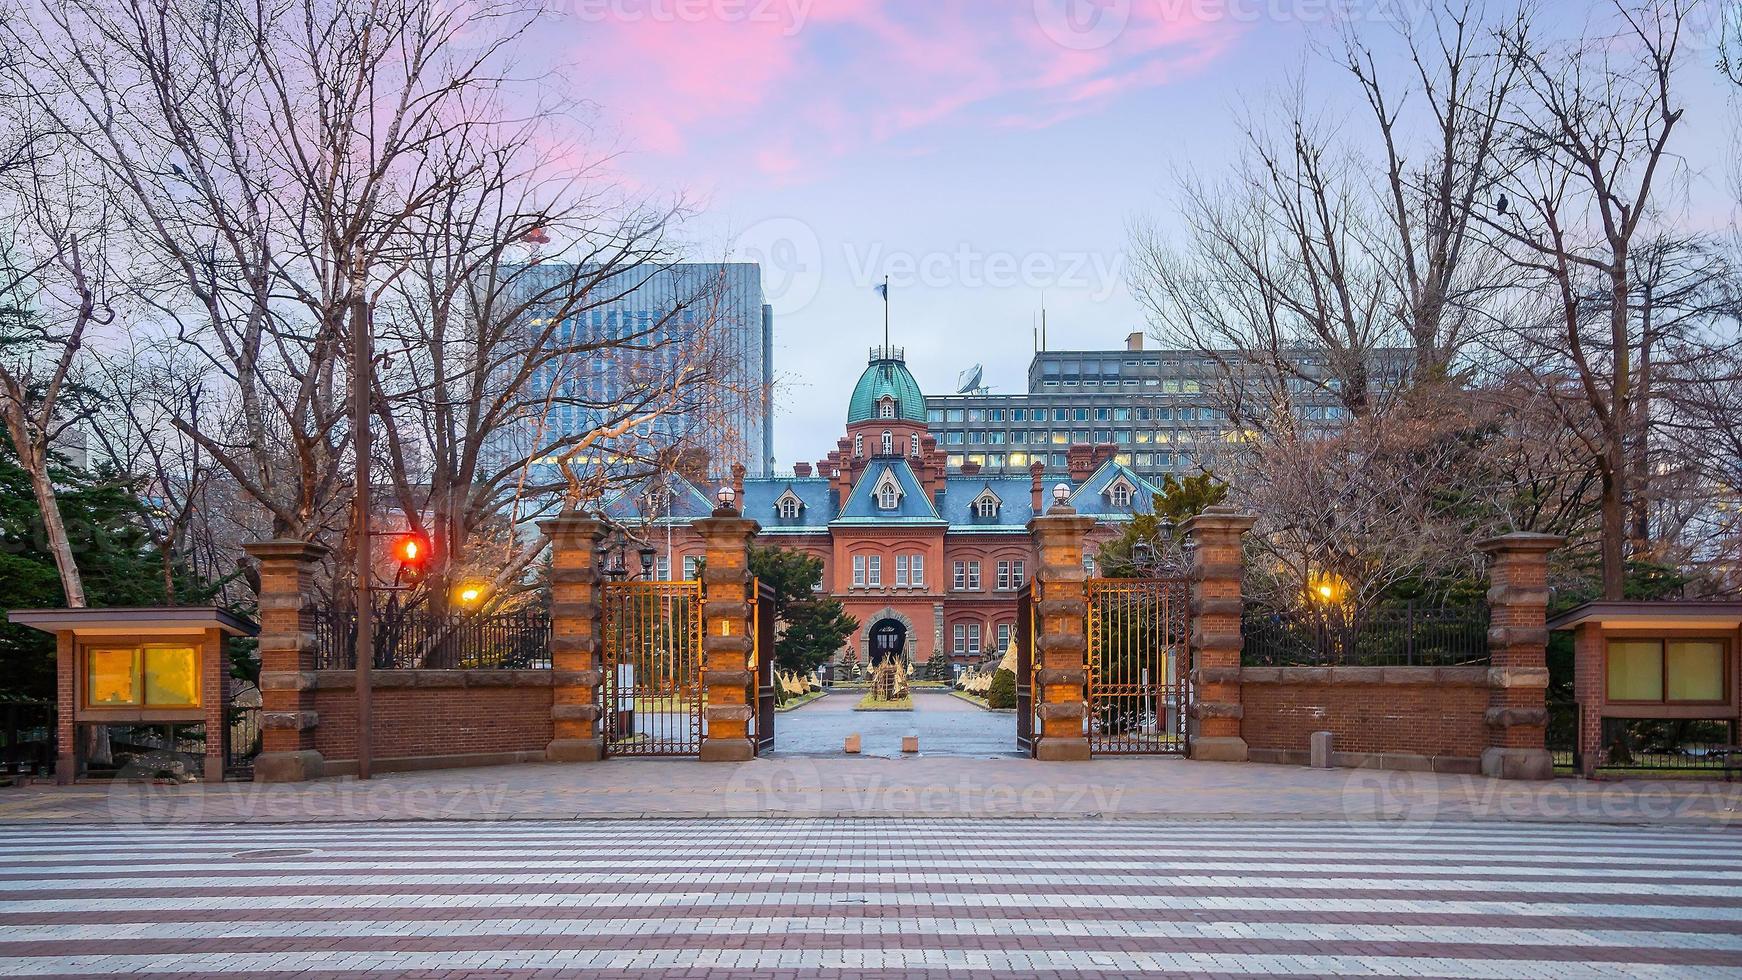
{"x": 886, "y": 376}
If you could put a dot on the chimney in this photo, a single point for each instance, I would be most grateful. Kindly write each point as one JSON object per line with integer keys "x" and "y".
{"x": 738, "y": 482}
{"x": 970, "y": 468}
{"x": 801, "y": 470}
{"x": 1036, "y": 492}
{"x": 1081, "y": 461}
{"x": 1134, "y": 340}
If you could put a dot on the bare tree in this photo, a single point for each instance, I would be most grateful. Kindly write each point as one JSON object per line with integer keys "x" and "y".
{"x": 1587, "y": 152}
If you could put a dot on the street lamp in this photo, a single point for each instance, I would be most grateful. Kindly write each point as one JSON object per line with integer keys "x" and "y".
{"x": 726, "y": 496}
{"x": 646, "y": 552}
{"x": 471, "y": 595}
{"x": 1060, "y": 494}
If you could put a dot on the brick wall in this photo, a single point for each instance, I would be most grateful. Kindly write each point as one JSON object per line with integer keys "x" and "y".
{"x": 1381, "y": 717}
{"x": 431, "y": 719}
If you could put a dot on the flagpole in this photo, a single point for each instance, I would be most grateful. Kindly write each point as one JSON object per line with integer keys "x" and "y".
{"x": 885, "y": 316}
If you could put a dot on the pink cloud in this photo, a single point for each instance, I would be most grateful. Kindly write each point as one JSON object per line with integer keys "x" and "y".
{"x": 820, "y": 79}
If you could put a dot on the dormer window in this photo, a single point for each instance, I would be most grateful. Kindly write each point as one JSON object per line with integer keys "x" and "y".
{"x": 788, "y": 506}
{"x": 888, "y": 492}
{"x": 885, "y": 407}
{"x": 1120, "y": 492}
{"x": 986, "y": 504}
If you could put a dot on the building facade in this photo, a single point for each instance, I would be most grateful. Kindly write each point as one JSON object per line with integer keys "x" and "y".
{"x": 1160, "y": 410}
{"x": 928, "y": 559}
{"x": 671, "y": 305}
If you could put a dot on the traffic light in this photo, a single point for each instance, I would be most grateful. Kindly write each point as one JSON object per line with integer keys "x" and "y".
{"x": 411, "y": 551}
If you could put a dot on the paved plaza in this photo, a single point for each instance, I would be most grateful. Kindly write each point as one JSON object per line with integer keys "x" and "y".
{"x": 869, "y": 898}
{"x": 946, "y": 726}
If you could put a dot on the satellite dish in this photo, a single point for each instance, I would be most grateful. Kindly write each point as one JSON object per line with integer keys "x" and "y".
{"x": 969, "y": 380}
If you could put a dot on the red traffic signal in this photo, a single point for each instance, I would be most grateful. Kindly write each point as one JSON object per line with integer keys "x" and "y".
{"x": 411, "y": 551}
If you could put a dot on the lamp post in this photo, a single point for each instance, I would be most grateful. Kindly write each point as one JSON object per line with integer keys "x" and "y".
{"x": 361, "y": 382}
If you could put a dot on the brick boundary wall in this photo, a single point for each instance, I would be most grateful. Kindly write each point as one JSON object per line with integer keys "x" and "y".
{"x": 435, "y": 719}
{"x": 1428, "y": 719}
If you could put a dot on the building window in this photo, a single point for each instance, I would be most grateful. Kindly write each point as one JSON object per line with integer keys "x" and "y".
{"x": 148, "y": 676}
{"x": 858, "y": 571}
{"x": 973, "y": 638}
{"x": 886, "y": 408}
{"x": 858, "y": 444}
{"x": 913, "y": 446}
{"x": 787, "y": 508}
{"x": 888, "y": 496}
{"x": 961, "y": 638}
{"x": 986, "y": 506}
{"x": 689, "y": 567}
{"x": 888, "y": 443}
{"x": 917, "y": 571}
{"x": 1089, "y": 564}
{"x": 662, "y": 568}
{"x": 874, "y": 573}
{"x": 1018, "y": 575}
{"x": 967, "y": 575}
{"x": 1003, "y": 636}
{"x": 1668, "y": 671}
{"x": 901, "y": 571}
{"x": 1120, "y": 494}
{"x": 1004, "y": 575}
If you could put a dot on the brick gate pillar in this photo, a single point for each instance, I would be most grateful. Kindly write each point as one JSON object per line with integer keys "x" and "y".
{"x": 726, "y": 639}
{"x": 1217, "y": 568}
{"x": 576, "y": 633}
{"x": 287, "y": 661}
{"x": 1518, "y": 655}
{"x": 1589, "y": 686}
{"x": 1061, "y": 649}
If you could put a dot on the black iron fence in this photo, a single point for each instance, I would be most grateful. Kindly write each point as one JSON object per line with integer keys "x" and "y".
{"x": 242, "y": 730}
{"x": 27, "y": 737}
{"x": 1561, "y": 737}
{"x": 1695, "y": 744}
{"x": 423, "y": 639}
{"x": 1391, "y": 636}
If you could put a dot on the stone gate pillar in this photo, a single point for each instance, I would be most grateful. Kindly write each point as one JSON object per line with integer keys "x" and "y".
{"x": 1518, "y": 656}
{"x": 1217, "y": 568}
{"x": 576, "y": 633}
{"x": 726, "y": 639}
{"x": 1061, "y": 648}
{"x": 287, "y": 661}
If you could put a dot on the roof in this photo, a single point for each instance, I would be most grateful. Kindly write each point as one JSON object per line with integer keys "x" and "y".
{"x": 1653, "y": 614}
{"x": 134, "y": 619}
{"x": 688, "y": 501}
{"x": 761, "y": 495}
{"x": 886, "y": 376}
{"x": 914, "y": 506}
{"x": 1015, "y": 500}
{"x": 1090, "y": 498}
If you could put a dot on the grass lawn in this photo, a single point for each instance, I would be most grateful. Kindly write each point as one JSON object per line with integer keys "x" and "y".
{"x": 800, "y": 701}
{"x": 869, "y": 703}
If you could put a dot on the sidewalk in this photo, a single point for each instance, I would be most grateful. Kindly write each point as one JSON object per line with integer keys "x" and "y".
{"x": 1122, "y": 789}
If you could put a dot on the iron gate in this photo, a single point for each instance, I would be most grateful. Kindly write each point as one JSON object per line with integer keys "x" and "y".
{"x": 762, "y": 665}
{"x": 1025, "y": 722}
{"x": 653, "y": 668}
{"x": 1139, "y": 665}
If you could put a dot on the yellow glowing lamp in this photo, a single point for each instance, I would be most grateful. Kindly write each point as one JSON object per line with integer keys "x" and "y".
{"x": 471, "y": 594}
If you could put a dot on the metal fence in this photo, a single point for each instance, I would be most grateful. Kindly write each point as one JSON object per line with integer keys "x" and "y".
{"x": 1391, "y": 636}
{"x": 1561, "y": 737}
{"x": 27, "y": 737}
{"x": 242, "y": 730}
{"x": 1138, "y": 631}
{"x": 421, "y": 639}
{"x": 1694, "y": 744}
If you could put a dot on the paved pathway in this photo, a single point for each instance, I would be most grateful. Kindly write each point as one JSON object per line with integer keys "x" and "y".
{"x": 1138, "y": 788}
{"x": 947, "y": 726}
{"x": 869, "y": 899}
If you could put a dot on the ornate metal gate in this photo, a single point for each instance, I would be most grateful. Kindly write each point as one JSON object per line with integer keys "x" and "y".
{"x": 762, "y": 665}
{"x": 1139, "y": 665}
{"x": 1025, "y": 722}
{"x": 653, "y": 668}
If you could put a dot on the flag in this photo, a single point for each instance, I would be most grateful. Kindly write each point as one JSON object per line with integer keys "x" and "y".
{"x": 883, "y": 290}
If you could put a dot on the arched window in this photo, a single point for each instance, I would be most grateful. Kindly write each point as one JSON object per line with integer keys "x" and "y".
{"x": 858, "y": 444}
{"x": 788, "y": 508}
{"x": 889, "y": 496}
{"x": 888, "y": 443}
{"x": 986, "y": 506}
{"x": 1121, "y": 495}
{"x": 913, "y": 446}
{"x": 886, "y": 408}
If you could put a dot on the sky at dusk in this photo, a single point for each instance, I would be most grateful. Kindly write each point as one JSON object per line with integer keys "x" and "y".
{"x": 984, "y": 155}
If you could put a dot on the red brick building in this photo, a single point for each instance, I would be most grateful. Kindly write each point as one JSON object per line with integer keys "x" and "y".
{"x": 925, "y": 560}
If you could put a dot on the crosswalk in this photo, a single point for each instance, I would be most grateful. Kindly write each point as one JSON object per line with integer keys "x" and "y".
{"x": 869, "y": 898}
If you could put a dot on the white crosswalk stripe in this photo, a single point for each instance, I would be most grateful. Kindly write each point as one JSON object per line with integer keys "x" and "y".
{"x": 870, "y": 898}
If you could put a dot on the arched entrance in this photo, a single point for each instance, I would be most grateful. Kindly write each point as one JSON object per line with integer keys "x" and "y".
{"x": 888, "y": 640}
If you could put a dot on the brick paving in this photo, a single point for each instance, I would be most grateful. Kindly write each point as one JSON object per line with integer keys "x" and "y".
{"x": 870, "y": 898}
{"x": 946, "y": 726}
